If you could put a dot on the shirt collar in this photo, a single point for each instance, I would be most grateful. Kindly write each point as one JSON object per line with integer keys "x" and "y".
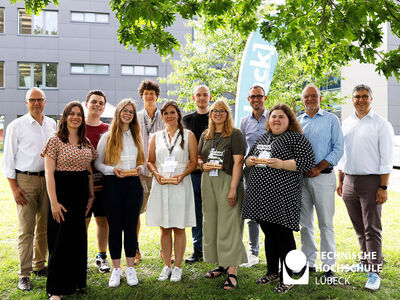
{"x": 263, "y": 115}
{"x": 32, "y": 120}
{"x": 370, "y": 114}
{"x": 319, "y": 112}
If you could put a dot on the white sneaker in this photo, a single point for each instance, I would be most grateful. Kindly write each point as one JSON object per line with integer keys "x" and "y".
{"x": 251, "y": 261}
{"x": 131, "y": 277}
{"x": 166, "y": 271}
{"x": 374, "y": 281}
{"x": 115, "y": 278}
{"x": 176, "y": 274}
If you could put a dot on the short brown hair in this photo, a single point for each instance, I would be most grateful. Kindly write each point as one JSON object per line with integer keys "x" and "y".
{"x": 149, "y": 85}
{"x": 96, "y": 92}
{"x": 294, "y": 125}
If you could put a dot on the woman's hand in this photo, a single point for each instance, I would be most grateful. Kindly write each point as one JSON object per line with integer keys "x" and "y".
{"x": 232, "y": 194}
{"x": 250, "y": 161}
{"x": 89, "y": 204}
{"x": 275, "y": 163}
{"x": 57, "y": 211}
{"x": 117, "y": 172}
{"x": 138, "y": 170}
{"x": 158, "y": 177}
{"x": 180, "y": 178}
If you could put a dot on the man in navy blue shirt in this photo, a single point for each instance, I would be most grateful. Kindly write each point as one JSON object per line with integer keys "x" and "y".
{"x": 323, "y": 131}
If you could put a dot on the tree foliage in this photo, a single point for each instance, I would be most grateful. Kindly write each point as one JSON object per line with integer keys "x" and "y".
{"x": 325, "y": 32}
{"x": 214, "y": 59}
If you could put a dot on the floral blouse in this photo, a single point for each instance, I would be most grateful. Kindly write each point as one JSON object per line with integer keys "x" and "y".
{"x": 69, "y": 157}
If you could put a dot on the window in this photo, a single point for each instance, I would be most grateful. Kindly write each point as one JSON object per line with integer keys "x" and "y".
{"x": 42, "y": 75}
{"x": 139, "y": 70}
{"x": 1, "y": 19}
{"x": 90, "y": 69}
{"x": 46, "y": 23}
{"x": 89, "y": 17}
{"x": 1, "y": 73}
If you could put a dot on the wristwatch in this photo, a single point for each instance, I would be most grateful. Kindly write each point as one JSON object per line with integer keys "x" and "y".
{"x": 383, "y": 187}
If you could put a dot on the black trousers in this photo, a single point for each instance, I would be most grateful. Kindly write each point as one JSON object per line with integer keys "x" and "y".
{"x": 123, "y": 198}
{"x": 67, "y": 241}
{"x": 279, "y": 241}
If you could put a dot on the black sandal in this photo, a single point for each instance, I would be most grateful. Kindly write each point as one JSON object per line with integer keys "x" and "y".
{"x": 220, "y": 270}
{"x": 229, "y": 282}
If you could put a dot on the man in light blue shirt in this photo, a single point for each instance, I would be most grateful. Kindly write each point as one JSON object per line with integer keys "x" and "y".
{"x": 324, "y": 132}
{"x": 252, "y": 126}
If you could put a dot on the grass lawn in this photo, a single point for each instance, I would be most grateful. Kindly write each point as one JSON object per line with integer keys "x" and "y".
{"x": 193, "y": 285}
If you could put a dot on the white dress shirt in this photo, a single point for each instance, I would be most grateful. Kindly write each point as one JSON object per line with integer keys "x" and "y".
{"x": 25, "y": 139}
{"x": 128, "y": 155}
{"x": 368, "y": 145}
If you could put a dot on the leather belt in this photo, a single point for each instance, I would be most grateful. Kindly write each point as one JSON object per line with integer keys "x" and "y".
{"x": 40, "y": 173}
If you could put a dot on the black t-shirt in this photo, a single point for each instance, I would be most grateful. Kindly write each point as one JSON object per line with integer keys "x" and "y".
{"x": 196, "y": 123}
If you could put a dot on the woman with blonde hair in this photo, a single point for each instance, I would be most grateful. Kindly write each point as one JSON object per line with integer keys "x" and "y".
{"x": 221, "y": 150}
{"x": 172, "y": 156}
{"x": 121, "y": 160}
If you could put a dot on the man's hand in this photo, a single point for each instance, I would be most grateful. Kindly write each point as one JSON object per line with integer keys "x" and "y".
{"x": 381, "y": 196}
{"x": 314, "y": 172}
{"x": 19, "y": 195}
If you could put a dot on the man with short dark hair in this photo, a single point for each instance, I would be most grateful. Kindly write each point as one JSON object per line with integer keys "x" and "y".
{"x": 24, "y": 168}
{"x": 96, "y": 102}
{"x": 252, "y": 126}
{"x": 197, "y": 122}
{"x": 150, "y": 121}
{"x": 363, "y": 178}
{"x": 323, "y": 130}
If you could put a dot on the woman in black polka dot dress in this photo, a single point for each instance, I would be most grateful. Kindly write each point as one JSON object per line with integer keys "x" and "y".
{"x": 273, "y": 194}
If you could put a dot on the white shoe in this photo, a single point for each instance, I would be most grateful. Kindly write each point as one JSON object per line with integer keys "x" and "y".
{"x": 176, "y": 274}
{"x": 166, "y": 271}
{"x": 251, "y": 261}
{"x": 131, "y": 277}
{"x": 115, "y": 278}
{"x": 374, "y": 281}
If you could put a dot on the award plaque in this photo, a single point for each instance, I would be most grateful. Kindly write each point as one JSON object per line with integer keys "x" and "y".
{"x": 215, "y": 166}
{"x": 169, "y": 180}
{"x": 130, "y": 172}
{"x": 261, "y": 161}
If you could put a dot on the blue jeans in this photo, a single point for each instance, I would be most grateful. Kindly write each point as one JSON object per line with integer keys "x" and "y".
{"x": 197, "y": 232}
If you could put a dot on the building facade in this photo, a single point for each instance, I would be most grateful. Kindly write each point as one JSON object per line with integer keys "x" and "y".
{"x": 67, "y": 51}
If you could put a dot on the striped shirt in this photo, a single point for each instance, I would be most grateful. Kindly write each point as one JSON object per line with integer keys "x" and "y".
{"x": 153, "y": 125}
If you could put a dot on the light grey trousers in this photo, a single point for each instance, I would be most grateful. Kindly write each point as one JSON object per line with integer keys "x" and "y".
{"x": 318, "y": 192}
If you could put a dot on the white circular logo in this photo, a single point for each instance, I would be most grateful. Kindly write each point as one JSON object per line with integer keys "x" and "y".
{"x": 296, "y": 260}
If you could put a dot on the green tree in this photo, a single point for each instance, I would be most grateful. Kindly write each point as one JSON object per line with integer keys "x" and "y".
{"x": 214, "y": 60}
{"x": 326, "y": 32}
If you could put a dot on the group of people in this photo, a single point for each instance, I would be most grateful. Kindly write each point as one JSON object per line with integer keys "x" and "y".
{"x": 195, "y": 171}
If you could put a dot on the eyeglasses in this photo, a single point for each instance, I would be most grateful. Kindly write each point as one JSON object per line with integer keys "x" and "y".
{"x": 33, "y": 100}
{"x": 358, "y": 97}
{"x": 310, "y": 96}
{"x": 259, "y": 97}
{"x": 218, "y": 111}
{"x": 127, "y": 111}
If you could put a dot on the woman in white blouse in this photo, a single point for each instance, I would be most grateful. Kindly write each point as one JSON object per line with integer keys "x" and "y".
{"x": 120, "y": 159}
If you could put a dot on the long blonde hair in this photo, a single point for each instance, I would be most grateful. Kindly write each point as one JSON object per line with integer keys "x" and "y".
{"x": 228, "y": 124}
{"x": 114, "y": 141}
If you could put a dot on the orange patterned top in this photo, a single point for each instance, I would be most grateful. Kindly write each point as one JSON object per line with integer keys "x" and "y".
{"x": 68, "y": 157}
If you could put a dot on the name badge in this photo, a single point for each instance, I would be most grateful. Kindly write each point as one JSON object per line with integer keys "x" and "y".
{"x": 169, "y": 165}
{"x": 264, "y": 147}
